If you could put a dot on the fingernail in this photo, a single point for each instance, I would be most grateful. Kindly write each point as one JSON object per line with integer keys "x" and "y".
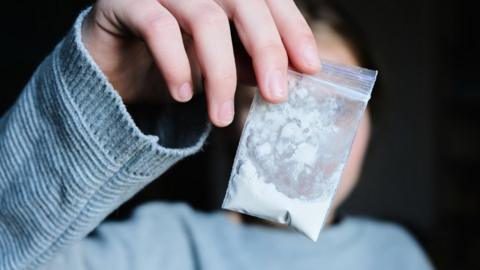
{"x": 225, "y": 113}
{"x": 310, "y": 55}
{"x": 185, "y": 92}
{"x": 277, "y": 85}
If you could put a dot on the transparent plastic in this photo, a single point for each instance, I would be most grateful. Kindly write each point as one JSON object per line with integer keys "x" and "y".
{"x": 291, "y": 155}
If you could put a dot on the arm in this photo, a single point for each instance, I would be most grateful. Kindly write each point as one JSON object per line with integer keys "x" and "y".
{"x": 70, "y": 154}
{"x": 69, "y": 151}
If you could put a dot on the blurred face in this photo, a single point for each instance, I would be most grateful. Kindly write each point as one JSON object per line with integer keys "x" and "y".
{"x": 333, "y": 48}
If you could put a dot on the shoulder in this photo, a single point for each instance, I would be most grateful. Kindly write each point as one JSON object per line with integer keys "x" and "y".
{"x": 153, "y": 218}
{"x": 174, "y": 214}
{"x": 180, "y": 222}
{"x": 383, "y": 230}
{"x": 162, "y": 209}
{"x": 391, "y": 242}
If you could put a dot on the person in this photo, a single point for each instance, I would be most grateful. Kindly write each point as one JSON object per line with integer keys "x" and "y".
{"x": 70, "y": 153}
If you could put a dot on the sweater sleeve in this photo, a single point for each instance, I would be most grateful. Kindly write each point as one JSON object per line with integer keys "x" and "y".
{"x": 70, "y": 154}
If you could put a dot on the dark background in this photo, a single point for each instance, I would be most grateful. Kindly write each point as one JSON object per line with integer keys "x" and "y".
{"x": 423, "y": 169}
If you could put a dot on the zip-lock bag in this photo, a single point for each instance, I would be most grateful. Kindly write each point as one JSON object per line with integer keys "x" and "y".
{"x": 291, "y": 155}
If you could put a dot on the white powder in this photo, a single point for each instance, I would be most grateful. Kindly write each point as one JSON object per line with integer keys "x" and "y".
{"x": 291, "y": 155}
{"x": 264, "y": 149}
{"x": 250, "y": 191}
{"x": 306, "y": 153}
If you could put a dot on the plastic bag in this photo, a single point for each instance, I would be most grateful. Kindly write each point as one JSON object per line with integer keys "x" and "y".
{"x": 291, "y": 155}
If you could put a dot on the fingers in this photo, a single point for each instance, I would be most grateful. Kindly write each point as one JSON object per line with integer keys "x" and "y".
{"x": 161, "y": 32}
{"x": 257, "y": 31}
{"x": 296, "y": 35}
{"x": 269, "y": 29}
{"x": 209, "y": 26}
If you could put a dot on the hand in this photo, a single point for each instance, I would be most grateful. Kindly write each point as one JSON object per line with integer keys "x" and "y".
{"x": 146, "y": 45}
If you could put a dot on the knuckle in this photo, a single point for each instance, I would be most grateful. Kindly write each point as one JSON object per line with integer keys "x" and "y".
{"x": 248, "y": 4}
{"x": 210, "y": 14}
{"x": 272, "y": 48}
{"x": 158, "y": 22}
{"x": 307, "y": 36}
{"x": 225, "y": 76}
{"x": 224, "y": 80}
{"x": 176, "y": 72}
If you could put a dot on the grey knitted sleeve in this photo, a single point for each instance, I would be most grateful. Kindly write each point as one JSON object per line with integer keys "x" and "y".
{"x": 70, "y": 154}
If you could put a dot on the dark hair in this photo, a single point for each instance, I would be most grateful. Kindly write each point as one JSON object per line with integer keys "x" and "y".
{"x": 342, "y": 23}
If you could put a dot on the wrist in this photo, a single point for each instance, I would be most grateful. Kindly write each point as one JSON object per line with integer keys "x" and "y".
{"x": 105, "y": 50}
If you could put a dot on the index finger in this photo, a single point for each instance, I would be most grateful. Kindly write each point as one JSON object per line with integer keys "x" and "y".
{"x": 297, "y": 36}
